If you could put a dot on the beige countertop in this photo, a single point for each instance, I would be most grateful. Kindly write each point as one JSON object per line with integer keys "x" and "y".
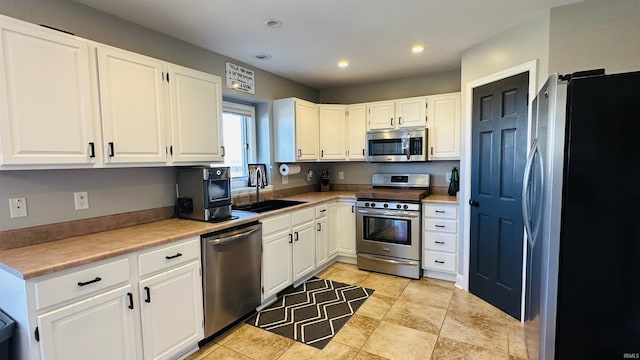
{"x": 36, "y": 260}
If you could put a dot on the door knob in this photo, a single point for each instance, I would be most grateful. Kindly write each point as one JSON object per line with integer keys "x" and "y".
{"x": 473, "y": 203}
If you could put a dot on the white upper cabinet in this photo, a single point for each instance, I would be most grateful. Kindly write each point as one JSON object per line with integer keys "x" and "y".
{"x": 296, "y": 124}
{"x": 196, "y": 113}
{"x": 332, "y": 134}
{"x": 67, "y": 102}
{"x": 381, "y": 115}
{"x": 46, "y": 104}
{"x": 411, "y": 112}
{"x": 393, "y": 114}
{"x": 443, "y": 122}
{"x": 356, "y": 132}
{"x": 133, "y": 107}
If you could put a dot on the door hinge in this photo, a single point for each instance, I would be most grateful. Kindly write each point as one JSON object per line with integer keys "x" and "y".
{"x": 37, "y": 334}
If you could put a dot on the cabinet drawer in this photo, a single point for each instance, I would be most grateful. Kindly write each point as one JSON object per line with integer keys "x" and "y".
{"x": 439, "y": 261}
{"x": 303, "y": 216}
{"x": 441, "y": 225}
{"x": 440, "y": 241}
{"x": 321, "y": 211}
{"x": 168, "y": 256}
{"x": 441, "y": 211}
{"x": 275, "y": 224}
{"x": 79, "y": 283}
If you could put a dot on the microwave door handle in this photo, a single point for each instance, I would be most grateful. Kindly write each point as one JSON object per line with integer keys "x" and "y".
{"x": 408, "y": 147}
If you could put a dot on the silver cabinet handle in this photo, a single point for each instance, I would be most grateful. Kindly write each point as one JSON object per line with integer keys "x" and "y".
{"x": 299, "y": 153}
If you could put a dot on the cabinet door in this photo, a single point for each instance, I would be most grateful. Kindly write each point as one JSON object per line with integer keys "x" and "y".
{"x": 356, "y": 132}
{"x": 322, "y": 232}
{"x": 412, "y": 112}
{"x": 303, "y": 250}
{"x": 277, "y": 258}
{"x": 46, "y": 108}
{"x": 196, "y": 112}
{"x": 307, "y": 130}
{"x": 347, "y": 235}
{"x": 132, "y": 104}
{"x": 332, "y": 134}
{"x": 100, "y": 327}
{"x": 443, "y": 114}
{"x": 171, "y": 304}
{"x": 381, "y": 115}
{"x": 334, "y": 230}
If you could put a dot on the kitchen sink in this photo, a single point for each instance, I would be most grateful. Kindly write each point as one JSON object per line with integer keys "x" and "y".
{"x": 267, "y": 205}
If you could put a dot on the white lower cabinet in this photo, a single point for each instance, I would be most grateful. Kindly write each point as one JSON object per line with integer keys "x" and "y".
{"x": 171, "y": 311}
{"x": 100, "y": 327}
{"x": 322, "y": 235}
{"x": 346, "y": 229}
{"x": 144, "y": 305}
{"x": 288, "y": 255}
{"x": 440, "y": 240}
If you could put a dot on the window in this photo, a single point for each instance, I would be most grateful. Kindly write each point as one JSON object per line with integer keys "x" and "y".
{"x": 238, "y": 129}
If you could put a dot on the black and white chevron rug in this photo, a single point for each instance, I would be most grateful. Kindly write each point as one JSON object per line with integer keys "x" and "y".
{"x": 313, "y": 312}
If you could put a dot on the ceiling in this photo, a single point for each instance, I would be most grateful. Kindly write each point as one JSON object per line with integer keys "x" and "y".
{"x": 375, "y": 36}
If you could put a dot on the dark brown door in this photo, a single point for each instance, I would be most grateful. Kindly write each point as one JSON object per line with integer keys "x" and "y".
{"x": 499, "y": 147}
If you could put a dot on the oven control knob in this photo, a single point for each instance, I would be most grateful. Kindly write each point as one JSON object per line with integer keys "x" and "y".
{"x": 399, "y": 206}
{"x": 386, "y": 205}
{"x": 406, "y": 207}
{"x": 373, "y": 204}
{"x": 366, "y": 204}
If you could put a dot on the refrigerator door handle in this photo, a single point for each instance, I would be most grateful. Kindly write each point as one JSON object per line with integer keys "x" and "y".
{"x": 531, "y": 235}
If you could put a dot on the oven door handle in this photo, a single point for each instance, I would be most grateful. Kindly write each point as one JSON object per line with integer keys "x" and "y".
{"x": 402, "y": 214}
{"x": 390, "y": 261}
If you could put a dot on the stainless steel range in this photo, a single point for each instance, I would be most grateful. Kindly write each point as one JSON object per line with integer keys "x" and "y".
{"x": 388, "y": 224}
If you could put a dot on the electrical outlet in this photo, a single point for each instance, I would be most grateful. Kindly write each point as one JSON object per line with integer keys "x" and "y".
{"x": 18, "y": 207}
{"x": 285, "y": 179}
{"x": 81, "y": 200}
{"x": 447, "y": 176}
{"x": 341, "y": 175}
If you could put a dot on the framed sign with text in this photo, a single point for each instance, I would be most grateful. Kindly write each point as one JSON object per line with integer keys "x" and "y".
{"x": 240, "y": 78}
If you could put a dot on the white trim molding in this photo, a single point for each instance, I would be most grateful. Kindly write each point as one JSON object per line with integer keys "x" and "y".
{"x": 465, "y": 162}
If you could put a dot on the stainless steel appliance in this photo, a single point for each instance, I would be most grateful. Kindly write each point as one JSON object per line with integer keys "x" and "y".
{"x": 388, "y": 224}
{"x": 583, "y": 288}
{"x": 400, "y": 145}
{"x": 204, "y": 193}
{"x": 231, "y": 267}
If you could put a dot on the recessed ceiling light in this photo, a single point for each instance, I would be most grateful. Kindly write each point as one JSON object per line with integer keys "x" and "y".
{"x": 343, "y": 64}
{"x": 261, "y": 56}
{"x": 274, "y": 23}
{"x": 417, "y": 49}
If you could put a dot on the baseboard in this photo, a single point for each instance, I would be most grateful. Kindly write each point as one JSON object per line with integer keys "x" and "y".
{"x": 348, "y": 259}
{"x": 460, "y": 283}
{"x": 439, "y": 275}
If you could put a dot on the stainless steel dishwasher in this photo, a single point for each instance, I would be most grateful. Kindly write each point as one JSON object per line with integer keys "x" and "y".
{"x": 231, "y": 261}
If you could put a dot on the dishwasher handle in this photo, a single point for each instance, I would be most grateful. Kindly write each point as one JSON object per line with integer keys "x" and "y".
{"x": 227, "y": 239}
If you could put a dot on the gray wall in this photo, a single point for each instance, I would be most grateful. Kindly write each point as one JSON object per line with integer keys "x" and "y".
{"x": 394, "y": 89}
{"x": 595, "y": 34}
{"x": 49, "y": 193}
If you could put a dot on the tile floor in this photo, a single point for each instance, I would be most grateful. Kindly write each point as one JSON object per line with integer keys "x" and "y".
{"x": 404, "y": 319}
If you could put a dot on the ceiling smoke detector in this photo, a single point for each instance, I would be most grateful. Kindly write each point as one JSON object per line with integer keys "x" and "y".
{"x": 261, "y": 56}
{"x": 274, "y": 23}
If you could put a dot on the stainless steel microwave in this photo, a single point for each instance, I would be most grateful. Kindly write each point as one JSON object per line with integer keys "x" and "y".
{"x": 399, "y": 145}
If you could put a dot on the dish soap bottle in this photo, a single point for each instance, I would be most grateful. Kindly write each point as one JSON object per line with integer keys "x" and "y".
{"x": 454, "y": 182}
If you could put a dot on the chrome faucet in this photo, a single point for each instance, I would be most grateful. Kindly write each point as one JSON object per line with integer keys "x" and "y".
{"x": 259, "y": 176}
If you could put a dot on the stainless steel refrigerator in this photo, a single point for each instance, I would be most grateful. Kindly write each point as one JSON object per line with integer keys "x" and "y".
{"x": 581, "y": 206}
